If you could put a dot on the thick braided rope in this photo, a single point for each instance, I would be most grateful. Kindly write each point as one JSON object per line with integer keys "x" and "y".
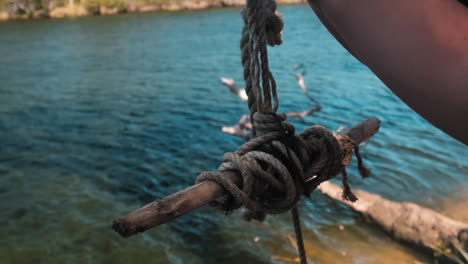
{"x": 262, "y": 26}
{"x": 276, "y": 166}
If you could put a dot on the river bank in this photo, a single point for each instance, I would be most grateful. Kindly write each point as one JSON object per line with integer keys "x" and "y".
{"x": 27, "y": 9}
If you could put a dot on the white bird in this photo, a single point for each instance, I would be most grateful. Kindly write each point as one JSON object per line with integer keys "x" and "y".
{"x": 300, "y": 80}
{"x": 241, "y": 129}
{"x": 230, "y": 83}
{"x": 305, "y": 113}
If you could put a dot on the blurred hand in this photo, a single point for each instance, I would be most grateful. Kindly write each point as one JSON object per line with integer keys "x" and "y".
{"x": 418, "y": 48}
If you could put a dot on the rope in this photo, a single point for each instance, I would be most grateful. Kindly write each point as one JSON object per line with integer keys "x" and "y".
{"x": 298, "y": 232}
{"x": 276, "y": 166}
{"x": 262, "y": 26}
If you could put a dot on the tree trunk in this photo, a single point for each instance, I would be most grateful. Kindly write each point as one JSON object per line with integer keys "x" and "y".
{"x": 405, "y": 221}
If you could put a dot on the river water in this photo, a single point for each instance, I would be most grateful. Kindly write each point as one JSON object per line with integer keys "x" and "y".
{"x": 101, "y": 115}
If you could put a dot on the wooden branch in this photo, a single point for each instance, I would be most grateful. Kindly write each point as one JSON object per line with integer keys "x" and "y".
{"x": 187, "y": 200}
{"x": 171, "y": 207}
{"x": 404, "y": 221}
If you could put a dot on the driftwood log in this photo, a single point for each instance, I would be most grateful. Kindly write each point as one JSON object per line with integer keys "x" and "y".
{"x": 405, "y": 221}
{"x": 187, "y": 200}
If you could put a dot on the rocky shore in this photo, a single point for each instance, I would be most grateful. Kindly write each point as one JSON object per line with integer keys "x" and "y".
{"x": 21, "y": 9}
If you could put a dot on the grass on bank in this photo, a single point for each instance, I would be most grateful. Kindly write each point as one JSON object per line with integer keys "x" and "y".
{"x": 31, "y": 8}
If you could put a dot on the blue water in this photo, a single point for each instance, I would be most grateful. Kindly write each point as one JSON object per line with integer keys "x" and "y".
{"x": 101, "y": 115}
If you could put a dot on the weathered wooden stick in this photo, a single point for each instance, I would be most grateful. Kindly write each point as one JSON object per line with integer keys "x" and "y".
{"x": 404, "y": 221}
{"x": 171, "y": 207}
{"x": 187, "y": 200}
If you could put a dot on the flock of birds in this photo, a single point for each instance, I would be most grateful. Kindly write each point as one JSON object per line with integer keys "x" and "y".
{"x": 243, "y": 126}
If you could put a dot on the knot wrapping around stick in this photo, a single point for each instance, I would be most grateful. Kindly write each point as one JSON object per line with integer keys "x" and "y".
{"x": 278, "y": 167}
{"x": 271, "y": 122}
{"x": 175, "y": 205}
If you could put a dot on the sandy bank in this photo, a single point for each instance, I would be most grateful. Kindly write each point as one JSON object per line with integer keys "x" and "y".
{"x": 124, "y": 6}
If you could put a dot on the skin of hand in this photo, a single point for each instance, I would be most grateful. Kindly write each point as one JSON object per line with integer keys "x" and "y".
{"x": 418, "y": 48}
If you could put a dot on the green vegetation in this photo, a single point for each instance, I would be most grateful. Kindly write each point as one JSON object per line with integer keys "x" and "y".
{"x": 92, "y": 6}
{"x": 121, "y": 5}
{"x": 454, "y": 253}
{"x": 17, "y": 9}
{"x": 3, "y": 5}
{"x": 60, "y": 8}
{"x": 30, "y": 8}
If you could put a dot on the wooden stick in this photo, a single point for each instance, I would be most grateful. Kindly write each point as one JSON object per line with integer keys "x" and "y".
{"x": 404, "y": 221}
{"x": 171, "y": 207}
{"x": 187, "y": 200}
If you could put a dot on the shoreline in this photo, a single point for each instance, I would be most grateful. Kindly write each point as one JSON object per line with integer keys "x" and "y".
{"x": 73, "y": 10}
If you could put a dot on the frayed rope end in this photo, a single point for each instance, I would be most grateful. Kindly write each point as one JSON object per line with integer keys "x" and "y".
{"x": 347, "y": 193}
{"x": 363, "y": 170}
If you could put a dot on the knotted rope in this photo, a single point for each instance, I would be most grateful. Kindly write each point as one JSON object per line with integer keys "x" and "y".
{"x": 277, "y": 167}
{"x": 262, "y": 25}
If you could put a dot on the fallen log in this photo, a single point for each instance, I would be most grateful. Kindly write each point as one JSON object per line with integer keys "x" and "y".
{"x": 405, "y": 221}
{"x": 185, "y": 201}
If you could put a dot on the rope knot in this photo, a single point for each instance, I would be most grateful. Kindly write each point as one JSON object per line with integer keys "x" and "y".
{"x": 272, "y": 123}
{"x": 273, "y": 23}
{"x": 276, "y": 168}
{"x": 272, "y": 19}
{"x": 274, "y": 28}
